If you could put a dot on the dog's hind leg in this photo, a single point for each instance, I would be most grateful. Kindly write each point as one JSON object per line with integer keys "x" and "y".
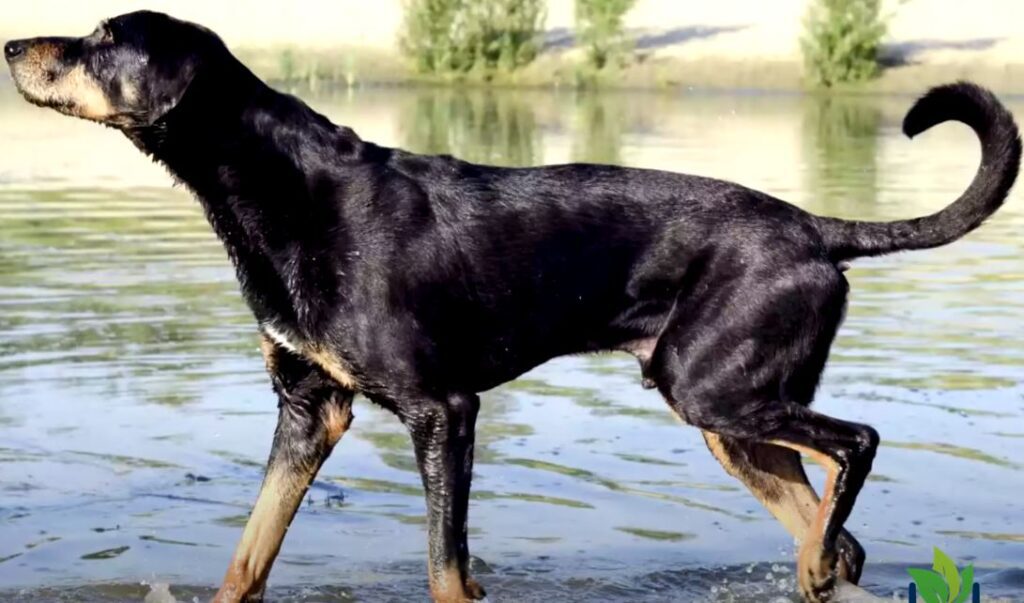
{"x": 743, "y": 359}
{"x": 313, "y": 414}
{"x": 443, "y": 433}
{"x": 845, "y": 449}
{"x": 776, "y": 477}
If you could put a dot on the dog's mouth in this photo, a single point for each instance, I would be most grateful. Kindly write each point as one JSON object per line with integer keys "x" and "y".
{"x": 32, "y": 87}
{"x": 33, "y": 70}
{"x": 70, "y": 91}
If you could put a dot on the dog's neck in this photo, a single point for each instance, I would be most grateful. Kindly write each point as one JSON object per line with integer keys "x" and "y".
{"x": 230, "y": 123}
{"x": 252, "y": 157}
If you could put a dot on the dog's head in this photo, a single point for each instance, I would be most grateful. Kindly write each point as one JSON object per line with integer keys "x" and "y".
{"x": 130, "y": 71}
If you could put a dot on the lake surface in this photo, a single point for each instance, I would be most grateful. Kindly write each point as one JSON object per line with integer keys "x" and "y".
{"x": 135, "y": 415}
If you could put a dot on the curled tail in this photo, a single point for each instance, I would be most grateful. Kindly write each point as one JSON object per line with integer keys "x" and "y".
{"x": 1000, "y": 162}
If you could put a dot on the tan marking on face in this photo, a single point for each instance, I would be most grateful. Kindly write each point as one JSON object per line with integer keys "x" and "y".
{"x": 89, "y": 100}
{"x": 129, "y": 91}
{"x": 43, "y": 80}
{"x": 41, "y": 55}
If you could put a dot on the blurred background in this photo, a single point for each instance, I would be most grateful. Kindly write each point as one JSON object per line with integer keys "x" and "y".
{"x": 135, "y": 414}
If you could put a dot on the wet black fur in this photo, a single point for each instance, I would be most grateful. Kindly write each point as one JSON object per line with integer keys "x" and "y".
{"x": 435, "y": 279}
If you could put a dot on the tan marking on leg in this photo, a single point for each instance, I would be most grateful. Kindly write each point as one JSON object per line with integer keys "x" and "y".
{"x": 332, "y": 365}
{"x": 279, "y": 499}
{"x": 316, "y": 353}
{"x": 775, "y": 477}
{"x": 814, "y": 563}
{"x": 827, "y": 501}
{"x": 474, "y": 590}
{"x": 269, "y": 350}
{"x": 275, "y": 507}
{"x": 337, "y": 420}
{"x": 449, "y": 588}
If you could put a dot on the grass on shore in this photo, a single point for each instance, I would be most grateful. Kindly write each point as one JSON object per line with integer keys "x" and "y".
{"x": 310, "y": 68}
{"x": 353, "y": 67}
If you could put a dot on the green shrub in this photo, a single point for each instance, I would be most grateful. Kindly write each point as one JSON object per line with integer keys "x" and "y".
{"x": 842, "y": 40}
{"x": 504, "y": 33}
{"x": 459, "y": 35}
{"x": 599, "y": 29}
{"x": 427, "y": 35}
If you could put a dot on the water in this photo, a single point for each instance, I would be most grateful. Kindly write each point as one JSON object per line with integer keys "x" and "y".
{"x": 135, "y": 414}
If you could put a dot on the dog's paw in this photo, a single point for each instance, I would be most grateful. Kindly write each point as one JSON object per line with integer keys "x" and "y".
{"x": 474, "y": 591}
{"x": 818, "y": 590}
{"x": 851, "y": 558}
{"x": 817, "y": 573}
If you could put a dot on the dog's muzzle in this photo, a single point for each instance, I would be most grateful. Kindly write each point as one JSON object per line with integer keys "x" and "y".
{"x": 14, "y": 50}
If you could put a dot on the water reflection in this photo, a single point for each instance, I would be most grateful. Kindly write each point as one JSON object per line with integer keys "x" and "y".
{"x": 94, "y": 282}
{"x": 598, "y": 129}
{"x": 841, "y": 138}
{"x": 483, "y": 127}
{"x": 134, "y": 411}
{"x": 507, "y": 127}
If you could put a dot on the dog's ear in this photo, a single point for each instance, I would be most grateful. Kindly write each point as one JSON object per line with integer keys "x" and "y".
{"x": 159, "y": 62}
{"x": 167, "y": 88}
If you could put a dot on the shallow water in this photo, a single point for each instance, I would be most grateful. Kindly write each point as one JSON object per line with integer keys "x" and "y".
{"x": 135, "y": 414}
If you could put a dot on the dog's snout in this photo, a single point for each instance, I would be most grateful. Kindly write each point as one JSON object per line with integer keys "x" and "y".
{"x": 14, "y": 49}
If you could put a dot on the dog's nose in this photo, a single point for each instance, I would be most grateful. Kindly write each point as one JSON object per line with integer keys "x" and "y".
{"x": 14, "y": 49}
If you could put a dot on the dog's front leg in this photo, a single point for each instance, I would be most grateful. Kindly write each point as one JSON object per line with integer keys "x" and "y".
{"x": 314, "y": 412}
{"x": 442, "y": 434}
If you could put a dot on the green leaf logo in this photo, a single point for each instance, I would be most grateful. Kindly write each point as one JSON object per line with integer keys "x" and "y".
{"x": 966, "y": 584}
{"x": 945, "y": 567}
{"x": 943, "y": 583}
{"x": 930, "y": 586}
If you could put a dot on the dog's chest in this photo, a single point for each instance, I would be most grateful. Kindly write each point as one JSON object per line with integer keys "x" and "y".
{"x": 322, "y": 356}
{"x": 283, "y": 338}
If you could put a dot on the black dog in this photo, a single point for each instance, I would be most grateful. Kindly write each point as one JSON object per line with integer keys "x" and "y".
{"x": 421, "y": 281}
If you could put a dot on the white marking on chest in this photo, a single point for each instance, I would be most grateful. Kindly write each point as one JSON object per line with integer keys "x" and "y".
{"x": 281, "y": 338}
{"x": 330, "y": 363}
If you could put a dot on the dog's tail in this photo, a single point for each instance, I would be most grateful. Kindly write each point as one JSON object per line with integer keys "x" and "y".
{"x": 1000, "y": 161}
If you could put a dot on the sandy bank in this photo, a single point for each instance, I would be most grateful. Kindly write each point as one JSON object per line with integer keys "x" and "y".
{"x": 728, "y": 43}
